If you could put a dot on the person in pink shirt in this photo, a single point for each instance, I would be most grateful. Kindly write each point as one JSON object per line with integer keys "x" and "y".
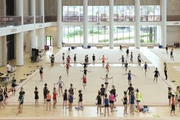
{"x": 111, "y": 100}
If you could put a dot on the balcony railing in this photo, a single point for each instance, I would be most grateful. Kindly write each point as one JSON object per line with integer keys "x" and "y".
{"x": 39, "y": 19}
{"x": 151, "y": 18}
{"x": 28, "y": 20}
{"x": 173, "y": 17}
{"x": 50, "y": 19}
{"x": 6, "y": 21}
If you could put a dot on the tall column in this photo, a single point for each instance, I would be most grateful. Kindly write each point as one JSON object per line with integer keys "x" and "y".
{"x": 2, "y": 8}
{"x": 111, "y": 23}
{"x": 20, "y": 36}
{"x": 137, "y": 23}
{"x": 42, "y": 35}
{"x": 164, "y": 26}
{"x": 85, "y": 23}
{"x": 4, "y": 50}
{"x": 59, "y": 24}
{"x": 33, "y": 32}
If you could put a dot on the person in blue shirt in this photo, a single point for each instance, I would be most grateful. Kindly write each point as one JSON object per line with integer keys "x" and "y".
{"x": 122, "y": 60}
{"x": 129, "y": 74}
{"x": 145, "y": 67}
{"x": 132, "y": 99}
{"x": 106, "y": 105}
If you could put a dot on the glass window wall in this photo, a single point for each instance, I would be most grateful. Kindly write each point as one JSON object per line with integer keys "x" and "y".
{"x": 123, "y": 13}
{"x": 149, "y": 34}
{"x": 98, "y": 13}
{"x": 124, "y": 34}
{"x": 150, "y": 13}
{"x": 73, "y": 34}
{"x": 72, "y": 13}
{"x": 98, "y": 34}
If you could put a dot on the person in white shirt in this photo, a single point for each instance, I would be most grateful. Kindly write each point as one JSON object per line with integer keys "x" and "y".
{"x": 61, "y": 84}
{"x": 8, "y": 68}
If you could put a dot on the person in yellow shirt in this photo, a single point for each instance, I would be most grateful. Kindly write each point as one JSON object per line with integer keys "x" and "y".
{"x": 138, "y": 98}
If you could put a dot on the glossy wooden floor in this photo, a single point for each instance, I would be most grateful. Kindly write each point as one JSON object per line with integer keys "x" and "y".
{"x": 30, "y": 112}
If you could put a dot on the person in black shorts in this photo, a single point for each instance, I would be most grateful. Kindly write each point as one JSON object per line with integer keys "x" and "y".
{"x": 41, "y": 73}
{"x": 45, "y": 91}
{"x": 65, "y": 99}
{"x": 169, "y": 95}
{"x": 171, "y": 54}
{"x": 98, "y": 98}
{"x": 156, "y": 75}
{"x": 21, "y": 100}
{"x": 167, "y": 49}
{"x": 102, "y": 92}
{"x": 106, "y": 105}
{"x": 63, "y": 57}
{"x": 127, "y": 52}
{"x": 36, "y": 97}
{"x": 129, "y": 90}
{"x": 52, "y": 58}
{"x": 1, "y": 99}
{"x": 75, "y": 59}
{"x": 125, "y": 102}
{"x": 93, "y": 58}
{"x": 80, "y": 100}
{"x": 13, "y": 85}
{"x": 85, "y": 71}
{"x": 5, "y": 93}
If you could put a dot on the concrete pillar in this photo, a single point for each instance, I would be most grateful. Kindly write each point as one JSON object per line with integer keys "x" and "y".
{"x": 164, "y": 26}
{"x": 33, "y": 32}
{"x": 19, "y": 38}
{"x": 59, "y": 24}
{"x": 42, "y": 34}
{"x": 137, "y": 23}
{"x": 85, "y": 23}
{"x": 111, "y": 24}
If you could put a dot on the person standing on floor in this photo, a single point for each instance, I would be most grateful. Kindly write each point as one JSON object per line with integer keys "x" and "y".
{"x": 48, "y": 103}
{"x": 156, "y": 75}
{"x": 173, "y": 107}
{"x": 165, "y": 71}
{"x": 167, "y": 49}
{"x": 125, "y": 102}
{"x": 65, "y": 98}
{"x": 129, "y": 76}
{"x": 106, "y": 105}
{"x": 52, "y": 58}
{"x": 45, "y": 91}
{"x": 60, "y": 84}
{"x": 93, "y": 58}
{"x": 36, "y": 97}
{"x": 98, "y": 98}
{"x": 130, "y": 90}
{"x": 171, "y": 54}
{"x": 75, "y": 62}
{"x": 8, "y": 68}
{"x": 138, "y": 98}
{"x": 13, "y": 85}
{"x": 145, "y": 67}
{"x": 169, "y": 95}
{"x": 111, "y": 100}
{"x": 132, "y": 99}
{"x": 54, "y": 97}
{"x": 41, "y": 73}
{"x": 106, "y": 80}
{"x": 1, "y": 99}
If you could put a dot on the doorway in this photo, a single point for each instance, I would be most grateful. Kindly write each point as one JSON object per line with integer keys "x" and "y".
{"x": 49, "y": 41}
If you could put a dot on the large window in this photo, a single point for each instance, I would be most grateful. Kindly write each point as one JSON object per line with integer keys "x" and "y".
{"x": 73, "y": 34}
{"x": 123, "y": 13}
{"x": 149, "y": 34}
{"x": 98, "y": 13}
{"x": 72, "y": 13}
{"x": 98, "y": 34}
{"x": 124, "y": 34}
{"x": 150, "y": 13}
